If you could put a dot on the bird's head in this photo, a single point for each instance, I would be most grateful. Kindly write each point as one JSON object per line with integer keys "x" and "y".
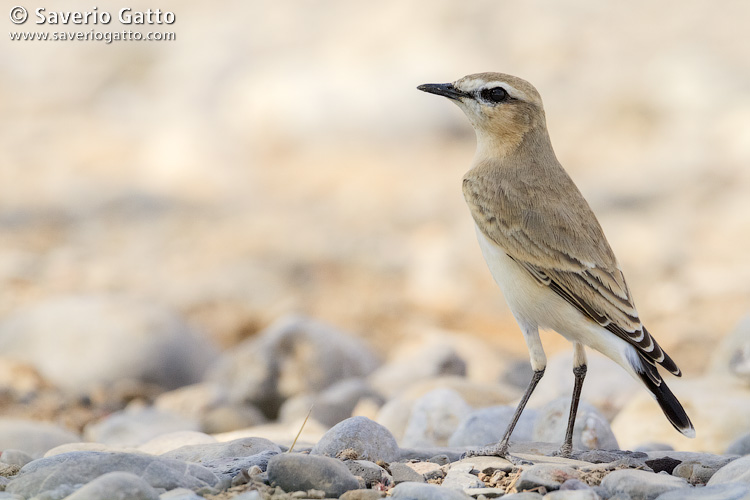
{"x": 501, "y": 108}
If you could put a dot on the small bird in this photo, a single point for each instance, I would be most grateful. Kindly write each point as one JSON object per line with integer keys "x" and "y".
{"x": 546, "y": 249}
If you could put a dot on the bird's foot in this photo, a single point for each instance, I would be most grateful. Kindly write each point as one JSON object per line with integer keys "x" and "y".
{"x": 565, "y": 451}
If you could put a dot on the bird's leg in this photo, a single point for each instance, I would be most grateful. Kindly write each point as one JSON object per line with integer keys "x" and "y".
{"x": 501, "y": 448}
{"x": 579, "y": 372}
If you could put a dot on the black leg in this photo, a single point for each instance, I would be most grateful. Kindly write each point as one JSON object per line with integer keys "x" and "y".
{"x": 501, "y": 448}
{"x": 580, "y": 373}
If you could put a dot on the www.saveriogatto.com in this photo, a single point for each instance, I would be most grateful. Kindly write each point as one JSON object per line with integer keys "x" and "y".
{"x": 125, "y": 24}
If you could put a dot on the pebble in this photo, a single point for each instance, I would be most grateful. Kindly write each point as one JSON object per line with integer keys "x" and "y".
{"x": 80, "y": 467}
{"x": 244, "y": 447}
{"x": 230, "y": 467}
{"x": 362, "y": 495}
{"x": 694, "y": 472}
{"x": 462, "y": 475}
{"x": 640, "y": 484}
{"x": 371, "y": 472}
{"x": 434, "y": 418}
{"x": 402, "y": 473}
{"x": 116, "y": 486}
{"x": 591, "y": 430}
{"x": 487, "y": 426}
{"x": 125, "y": 338}
{"x": 298, "y": 472}
{"x": 549, "y": 476}
{"x": 428, "y": 470}
{"x": 183, "y": 494}
{"x": 136, "y": 425}
{"x": 588, "y": 494}
{"x": 369, "y": 440}
{"x": 33, "y": 438}
{"x": 729, "y": 491}
{"x": 524, "y": 495}
{"x": 424, "y": 491}
{"x": 735, "y": 471}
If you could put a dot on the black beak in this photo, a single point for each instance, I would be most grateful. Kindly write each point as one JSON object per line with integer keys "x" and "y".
{"x": 443, "y": 89}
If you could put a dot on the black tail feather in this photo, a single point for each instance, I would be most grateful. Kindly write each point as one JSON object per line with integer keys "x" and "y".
{"x": 671, "y": 407}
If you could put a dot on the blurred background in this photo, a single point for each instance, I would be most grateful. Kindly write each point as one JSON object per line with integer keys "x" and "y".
{"x": 277, "y": 158}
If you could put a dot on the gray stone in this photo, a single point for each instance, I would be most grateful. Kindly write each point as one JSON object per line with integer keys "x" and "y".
{"x": 371, "y": 472}
{"x": 116, "y": 486}
{"x": 653, "y": 446}
{"x": 550, "y": 476}
{"x": 297, "y": 472}
{"x": 485, "y": 492}
{"x": 125, "y": 338}
{"x": 524, "y": 495}
{"x": 402, "y": 473}
{"x": 591, "y": 430}
{"x": 706, "y": 459}
{"x": 735, "y": 471}
{"x": 574, "y": 484}
{"x": 31, "y": 437}
{"x": 423, "y": 491}
{"x": 451, "y": 454}
{"x": 740, "y": 446}
{"x": 728, "y": 491}
{"x": 243, "y": 447}
{"x": 587, "y": 494}
{"x": 249, "y": 495}
{"x": 171, "y": 441}
{"x": 181, "y": 494}
{"x": 640, "y": 485}
{"x": 330, "y": 406}
{"x": 135, "y": 426}
{"x": 231, "y": 466}
{"x": 428, "y": 470}
{"x": 295, "y": 355}
{"x": 14, "y": 457}
{"x": 362, "y": 495}
{"x": 370, "y": 440}
{"x": 694, "y": 472}
{"x": 434, "y": 418}
{"x": 74, "y": 468}
{"x": 487, "y": 425}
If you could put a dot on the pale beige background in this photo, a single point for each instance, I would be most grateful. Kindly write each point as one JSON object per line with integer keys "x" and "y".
{"x": 277, "y": 157}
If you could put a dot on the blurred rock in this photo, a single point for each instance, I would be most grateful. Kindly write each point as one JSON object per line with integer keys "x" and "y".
{"x": 115, "y": 485}
{"x": 10, "y": 456}
{"x": 183, "y": 494}
{"x": 434, "y": 418}
{"x": 331, "y": 406}
{"x": 33, "y": 438}
{"x": 740, "y": 446}
{"x": 137, "y": 425}
{"x": 228, "y": 468}
{"x": 590, "y": 432}
{"x": 729, "y": 491}
{"x": 368, "y": 440}
{"x": 295, "y": 355}
{"x": 737, "y": 471}
{"x": 124, "y": 338}
{"x": 396, "y": 412}
{"x": 282, "y": 433}
{"x": 209, "y": 404}
{"x": 371, "y": 472}
{"x": 20, "y": 378}
{"x": 588, "y": 494}
{"x": 67, "y": 448}
{"x": 487, "y": 426}
{"x": 713, "y": 403}
{"x": 732, "y": 355}
{"x": 603, "y": 374}
{"x": 640, "y": 484}
{"x": 164, "y": 443}
{"x": 460, "y": 478}
{"x": 296, "y": 472}
{"x": 80, "y": 467}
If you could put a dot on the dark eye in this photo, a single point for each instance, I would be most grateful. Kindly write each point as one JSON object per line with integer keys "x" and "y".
{"x": 495, "y": 94}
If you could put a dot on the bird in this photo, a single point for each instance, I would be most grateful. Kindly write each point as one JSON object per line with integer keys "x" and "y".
{"x": 546, "y": 249}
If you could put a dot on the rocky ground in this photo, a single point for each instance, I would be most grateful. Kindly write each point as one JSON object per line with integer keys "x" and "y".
{"x": 369, "y": 427}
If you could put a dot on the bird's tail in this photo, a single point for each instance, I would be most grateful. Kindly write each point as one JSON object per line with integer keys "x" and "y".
{"x": 671, "y": 407}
